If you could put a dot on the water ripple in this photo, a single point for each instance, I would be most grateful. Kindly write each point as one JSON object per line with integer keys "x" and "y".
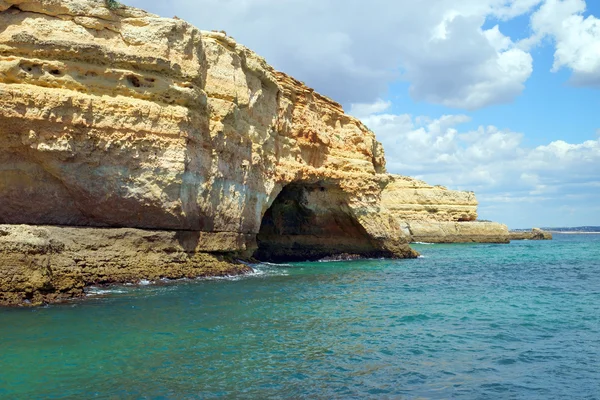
{"x": 465, "y": 321}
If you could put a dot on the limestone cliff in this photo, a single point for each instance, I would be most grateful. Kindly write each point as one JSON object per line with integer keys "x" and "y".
{"x": 122, "y": 119}
{"x": 435, "y": 214}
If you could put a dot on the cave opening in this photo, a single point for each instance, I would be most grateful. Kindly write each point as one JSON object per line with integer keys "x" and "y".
{"x": 309, "y": 222}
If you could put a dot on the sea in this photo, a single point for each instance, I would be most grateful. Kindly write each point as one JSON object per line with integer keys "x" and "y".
{"x": 464, "y": 321}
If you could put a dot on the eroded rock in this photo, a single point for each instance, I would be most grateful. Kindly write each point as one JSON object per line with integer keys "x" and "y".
{"x": 534, "y": 234}
{"x": 49, "y": 264}
{"x": 122, "y": 119}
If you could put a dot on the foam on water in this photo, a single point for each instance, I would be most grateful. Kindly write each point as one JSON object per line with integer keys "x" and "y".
{"x": 267, "y": 269}
{"x": 96, "y": 291}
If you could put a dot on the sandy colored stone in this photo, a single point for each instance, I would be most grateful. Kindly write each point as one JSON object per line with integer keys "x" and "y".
{"x": 435, "y": 214}
{"x": 534, "y": 234}
{"x": 414, "y": 200}
{"x": 127, "y": 119}
{"x": 48, "y": 264}
{"x": 458, "y": 232}
{"x": 123, "y": 119}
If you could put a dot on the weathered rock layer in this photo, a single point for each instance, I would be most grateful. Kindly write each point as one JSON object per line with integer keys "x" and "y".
{"x": 122, "y": 119}
{"x": 45, "y": 264}
{"x": 434, "y": 214}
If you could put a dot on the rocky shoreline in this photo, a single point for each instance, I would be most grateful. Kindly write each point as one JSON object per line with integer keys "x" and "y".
{"x": 458, "y": 232}
{"x": 534, "y": 234}
{"x": 51, "y": 264}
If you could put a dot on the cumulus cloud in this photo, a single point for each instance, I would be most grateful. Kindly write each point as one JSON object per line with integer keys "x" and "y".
{"x": 492, "y": 161}
{"x": 352, "y": 50}
{"x": 360, "y": 110}
{"x": 463, "y": 66}
{"x": 577, "y": 39}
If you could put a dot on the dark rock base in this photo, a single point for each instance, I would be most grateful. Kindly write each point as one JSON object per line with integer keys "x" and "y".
{"x": 41, "y": 265}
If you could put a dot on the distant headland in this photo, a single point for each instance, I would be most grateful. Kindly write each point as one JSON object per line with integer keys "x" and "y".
{"x": 580, "y": 230}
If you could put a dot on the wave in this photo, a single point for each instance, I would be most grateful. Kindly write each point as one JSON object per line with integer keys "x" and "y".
{"x": 266, "y": 269}
{"x": 271, "y": 264}
{"x": 258, "y": 270}
{"x": 96, "y": 291}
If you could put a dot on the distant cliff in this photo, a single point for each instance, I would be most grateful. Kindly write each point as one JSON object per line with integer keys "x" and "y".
{"x": 435, "y": 214}
{"x": 122, "y": 119}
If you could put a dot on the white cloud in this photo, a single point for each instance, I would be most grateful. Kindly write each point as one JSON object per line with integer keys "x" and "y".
{"x": 510, "y": 9}
{"x": 366, "y": 109}
{"x": 352, "y": 50}
{"x": 463, "y": 66}
{"x": 577, "y": 39}
{"x": 492, "y": 162}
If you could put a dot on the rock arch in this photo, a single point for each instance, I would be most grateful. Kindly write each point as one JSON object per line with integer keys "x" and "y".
{"x": 311, "y": 221}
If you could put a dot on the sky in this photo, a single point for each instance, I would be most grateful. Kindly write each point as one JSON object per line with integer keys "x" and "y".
{"x": 501, "y": 97}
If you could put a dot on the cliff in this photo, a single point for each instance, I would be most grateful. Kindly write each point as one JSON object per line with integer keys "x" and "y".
{"x": 121, "y": 119}
{"x": 434, "y": 214}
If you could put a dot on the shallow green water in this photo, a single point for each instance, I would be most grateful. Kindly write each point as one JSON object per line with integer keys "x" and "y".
{"x": 465, "y": 321}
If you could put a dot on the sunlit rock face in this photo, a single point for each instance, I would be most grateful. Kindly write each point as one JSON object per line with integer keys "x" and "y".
{"x": 434, "y": 214}
{"x": 123, "y": 119}
{"x": 413, "y": 200}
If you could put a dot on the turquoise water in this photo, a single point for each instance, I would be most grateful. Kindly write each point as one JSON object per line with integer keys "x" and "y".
{"x": 465, "y": 321}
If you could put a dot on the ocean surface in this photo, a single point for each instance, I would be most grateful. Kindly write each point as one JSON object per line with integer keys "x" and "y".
{"x": 472, "y": 321}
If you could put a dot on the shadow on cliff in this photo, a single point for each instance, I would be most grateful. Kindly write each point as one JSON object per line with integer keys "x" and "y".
{"x": 222, "y": 188}
{"x": 308, "y": 222}
{"x": 188, "y": 240}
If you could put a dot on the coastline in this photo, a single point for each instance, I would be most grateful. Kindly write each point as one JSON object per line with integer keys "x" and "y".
{"x": 574, "y": 233}
{"x": 174, "y": 163}
{"x": 50, "y": 264}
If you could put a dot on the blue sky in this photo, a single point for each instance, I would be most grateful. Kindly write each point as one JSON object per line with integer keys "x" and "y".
{"x": 496, "y": 96}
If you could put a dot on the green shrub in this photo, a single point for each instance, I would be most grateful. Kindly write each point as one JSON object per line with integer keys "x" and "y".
{"x": 112, "y": 4}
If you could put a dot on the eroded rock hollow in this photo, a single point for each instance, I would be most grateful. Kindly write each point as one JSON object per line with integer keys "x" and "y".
{"x": 123, "y": 119}
{"x": 311, "y": 222}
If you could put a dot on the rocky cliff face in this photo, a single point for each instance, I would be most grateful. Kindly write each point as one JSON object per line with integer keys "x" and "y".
{"x": 122, "y": 119}
{"x": 435, "y": 214}
{"x": 414, "y": 200}
{"x": 47, "y": 264}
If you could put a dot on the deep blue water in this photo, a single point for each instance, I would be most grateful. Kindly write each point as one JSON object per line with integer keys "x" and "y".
{"x": 465, "y": 321}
